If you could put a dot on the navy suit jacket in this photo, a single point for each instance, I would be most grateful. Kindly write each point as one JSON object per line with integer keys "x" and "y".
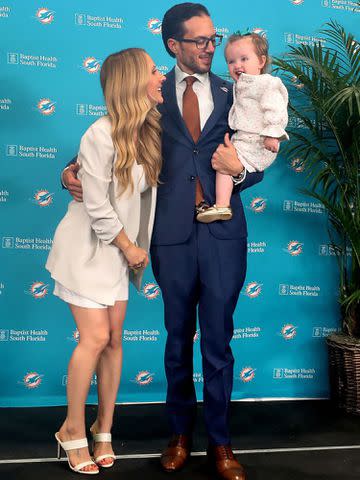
{"x": 183, "y": 161}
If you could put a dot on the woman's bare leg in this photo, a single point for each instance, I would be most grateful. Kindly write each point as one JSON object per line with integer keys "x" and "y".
{"x": 93, "y": 326}
{"x": 108, "y": 375}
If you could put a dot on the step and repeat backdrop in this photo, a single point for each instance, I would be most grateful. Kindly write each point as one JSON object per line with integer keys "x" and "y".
{"x": 50, "y": 58}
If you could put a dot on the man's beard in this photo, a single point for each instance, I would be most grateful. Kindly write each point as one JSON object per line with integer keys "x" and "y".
{"x": 196, "y": 68}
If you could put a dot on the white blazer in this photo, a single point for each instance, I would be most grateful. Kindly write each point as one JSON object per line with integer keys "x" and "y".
{"x": 82, "y": 257}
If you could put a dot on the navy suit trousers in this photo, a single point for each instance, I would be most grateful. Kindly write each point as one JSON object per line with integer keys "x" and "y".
{"x": 205, "y": 274}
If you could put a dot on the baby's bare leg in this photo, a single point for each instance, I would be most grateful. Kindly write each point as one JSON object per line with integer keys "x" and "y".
{"x": 224, "y": 187}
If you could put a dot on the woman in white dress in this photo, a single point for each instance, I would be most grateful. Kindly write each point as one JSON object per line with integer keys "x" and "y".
{"x": 102, "y": 240}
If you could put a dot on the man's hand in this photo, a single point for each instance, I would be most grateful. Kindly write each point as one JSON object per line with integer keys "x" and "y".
{"x": 225, "y": 159}
{"x": 72, "y": 183}
{"x": 272, "y": 144}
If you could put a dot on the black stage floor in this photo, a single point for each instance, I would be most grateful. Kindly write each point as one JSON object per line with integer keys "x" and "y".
{"x": 307, "y": 440}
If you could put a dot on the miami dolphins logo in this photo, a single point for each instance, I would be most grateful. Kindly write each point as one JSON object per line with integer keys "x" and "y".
{"x": 196, "y": 336}
{"x": 91, "y": 65}
{"x": 253, "y": 289}
{"x": 258, "y": 204}
{"x": 298, "y": 165}
{"x": 45, "y": 16}
{"x": 295, "y": 248}
{"x": 154, "y": 25}
{"x": 43, "y": 198}
{"x": 151, "y": 291}
{"x": 247, "y": 374}
{"x": 38, "y": 290}
{"x": 144, "y": 377}
{"x": 46, "y": 106}
{"x": 288, "y": 331}
{"x": 32, "y": 380}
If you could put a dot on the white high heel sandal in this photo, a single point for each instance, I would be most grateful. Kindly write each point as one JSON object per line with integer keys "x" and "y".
{"x": 102, "y": 437}
{"x": 73, "y": 445}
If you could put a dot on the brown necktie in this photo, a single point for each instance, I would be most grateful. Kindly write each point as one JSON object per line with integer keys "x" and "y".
{"x": 191, "y": 116}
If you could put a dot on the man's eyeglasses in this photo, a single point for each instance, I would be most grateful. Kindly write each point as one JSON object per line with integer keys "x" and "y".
{"x": 203, "y": 42}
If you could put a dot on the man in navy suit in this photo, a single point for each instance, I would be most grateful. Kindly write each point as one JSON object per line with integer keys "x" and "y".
{"x": 199, "y": 267}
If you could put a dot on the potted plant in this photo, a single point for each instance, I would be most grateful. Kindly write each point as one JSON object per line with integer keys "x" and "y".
{"x": 324, "y": 87}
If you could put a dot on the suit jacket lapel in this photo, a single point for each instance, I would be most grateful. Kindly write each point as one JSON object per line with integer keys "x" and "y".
{"x": 170, "y": 104}
{"x": 219, "y": 90}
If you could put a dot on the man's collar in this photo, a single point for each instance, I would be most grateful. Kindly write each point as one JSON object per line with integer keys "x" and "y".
{"x": 180, "y": 75}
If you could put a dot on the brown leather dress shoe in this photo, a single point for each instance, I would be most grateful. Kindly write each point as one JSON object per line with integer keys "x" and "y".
{"x": 226, "y": 466}
{"x": 176, "y": 453}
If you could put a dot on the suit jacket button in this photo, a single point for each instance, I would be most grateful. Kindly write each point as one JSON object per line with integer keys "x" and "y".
{"x": 191, "y": 178}
{"x": 196, "y": 151}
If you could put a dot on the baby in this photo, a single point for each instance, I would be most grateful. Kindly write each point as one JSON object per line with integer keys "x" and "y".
{"x": 258, "y": 116}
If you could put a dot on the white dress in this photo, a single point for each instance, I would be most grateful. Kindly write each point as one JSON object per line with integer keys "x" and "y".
{"x": 83, "y": 261}
{"x": 259, "y": 110}
{"x": 70, "y": 296}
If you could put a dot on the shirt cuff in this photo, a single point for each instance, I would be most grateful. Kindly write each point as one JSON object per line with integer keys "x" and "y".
{"x": 239, "y": 178}
{"x": 62, "y": 177}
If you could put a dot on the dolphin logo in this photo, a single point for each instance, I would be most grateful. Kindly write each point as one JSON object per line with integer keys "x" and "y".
{"x": 288, "y": 331}
{"x": 144, "y": 378}
{"x": 298, "y": 165}
{"x": 294, "y": 248}
{"x": 91, "y": 65}
{"x": 247, "y": 374}
{"x": 154, "y": 25}
{"x": 43, "y": 198}
{"x": 39, "y": 289}
{"x": 151, "y": 291}
{"x": 258, "y": 204}
{"x": 45, "y": 16}
{"x": 253, "y": 289}
{"x": 46, "y": 106}
{"x": 32, "y": 380}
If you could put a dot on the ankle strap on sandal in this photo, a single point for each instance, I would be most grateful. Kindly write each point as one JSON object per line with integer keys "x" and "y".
{"x": 102, "y": 437}
{"x": 72, "y": 444}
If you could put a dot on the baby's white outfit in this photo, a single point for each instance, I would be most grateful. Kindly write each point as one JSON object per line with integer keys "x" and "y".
{"x": 259, "y": 110}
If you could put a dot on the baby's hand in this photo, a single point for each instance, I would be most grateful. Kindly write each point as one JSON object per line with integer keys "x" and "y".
{"x": 271, "y": 144}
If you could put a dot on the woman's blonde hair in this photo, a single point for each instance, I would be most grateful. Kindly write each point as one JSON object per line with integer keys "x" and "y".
{"x": 260, "y": 44}
{"x": 135, "y": 121}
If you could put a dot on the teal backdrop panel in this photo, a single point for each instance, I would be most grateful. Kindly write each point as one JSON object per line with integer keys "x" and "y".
{"x": 50, "y": 58}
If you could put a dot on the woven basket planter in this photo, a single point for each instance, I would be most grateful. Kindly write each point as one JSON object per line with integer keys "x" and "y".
{"x": 344, "y": 369}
